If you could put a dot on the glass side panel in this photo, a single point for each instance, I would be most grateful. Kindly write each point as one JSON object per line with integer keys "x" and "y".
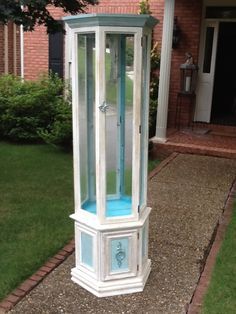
{"x": 208, "y": 49}
{"x": 119, "y": 98}
{"x": 144, "y": 136}
{"x": 86, "y": 89}
{"x": 86, "y": 249}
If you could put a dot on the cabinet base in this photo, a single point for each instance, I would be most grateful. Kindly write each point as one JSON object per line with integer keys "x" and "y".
{"x": 112, "y": 287}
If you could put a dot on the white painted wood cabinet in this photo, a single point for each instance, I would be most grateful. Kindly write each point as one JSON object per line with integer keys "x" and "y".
{"x": 110, "y": 64}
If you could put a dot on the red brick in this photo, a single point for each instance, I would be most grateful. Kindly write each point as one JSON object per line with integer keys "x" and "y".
{"x": 59, "y": 257}
{"x": 41, "y": 273}
{"x": 55, "y": 261}
{"x": 69, "y": 248}
{"x": 12, "y": 298}
{"x": 6, "y": 305}
{"x": 27, "y": 285}
{"x": 63, "y": 253}
{"x": 45, "y": 269}
{"x": 50, "y": 265}
{"x": 72, "y": 242}
{"x": 36, "y": 278}
{"x": 18, "y": 292}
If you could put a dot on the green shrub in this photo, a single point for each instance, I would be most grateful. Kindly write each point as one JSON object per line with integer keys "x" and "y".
{"x": 144, "y": 7}
{"x": 154, "y": 85}
{"x": 60, "y": 131}
{"x": 152, "y": 117}
{"x": 31, "y": 108}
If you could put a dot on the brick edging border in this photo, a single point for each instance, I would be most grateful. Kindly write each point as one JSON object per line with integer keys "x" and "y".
{"x": 24, "y": 288}
{"x": 195, "y": 304}
{"x": 162, "y": 165}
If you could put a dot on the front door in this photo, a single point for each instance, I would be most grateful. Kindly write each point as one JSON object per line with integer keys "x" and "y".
{"x": 204, "y": 92}
{"x": 224, "y": 94}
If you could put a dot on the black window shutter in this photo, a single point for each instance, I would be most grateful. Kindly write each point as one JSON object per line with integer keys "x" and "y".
{"x": 56, "y": 48}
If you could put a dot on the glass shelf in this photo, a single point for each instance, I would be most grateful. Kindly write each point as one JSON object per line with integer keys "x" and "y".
{"x": 114, "y": 207}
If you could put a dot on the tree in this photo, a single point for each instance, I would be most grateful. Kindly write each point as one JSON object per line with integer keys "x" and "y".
{"x": 30, "y": 13}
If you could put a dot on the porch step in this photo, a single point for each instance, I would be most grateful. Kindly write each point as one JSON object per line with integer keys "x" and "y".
{"x": 221, "y": 133}
{"x": 163, "y": 149}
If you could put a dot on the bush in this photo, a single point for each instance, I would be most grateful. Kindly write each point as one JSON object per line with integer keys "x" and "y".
{"x": 154, "y": 85}
{"x": 60, "y": 131}
{"x": 32, "y": 108}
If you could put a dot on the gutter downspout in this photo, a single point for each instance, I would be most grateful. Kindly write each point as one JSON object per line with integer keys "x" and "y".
{"x": 22, "y": 50}
{"x": 6, "y": 50}
{"x": 14, "y": 50}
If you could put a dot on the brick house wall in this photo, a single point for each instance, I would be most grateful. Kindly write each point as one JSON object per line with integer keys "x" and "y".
{"x": 36, "y": 44}
{"x": 36, "y": 47}
{"x": 35, "y": 53}
{"x": 189, "y": 13}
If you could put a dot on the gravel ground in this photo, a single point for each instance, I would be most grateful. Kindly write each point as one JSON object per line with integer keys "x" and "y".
{"x": 187, "y": 198}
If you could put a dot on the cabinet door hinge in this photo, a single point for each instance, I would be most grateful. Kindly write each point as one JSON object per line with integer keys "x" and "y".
{"x": 137, "y": 267}
{"x": 140, "y": 129}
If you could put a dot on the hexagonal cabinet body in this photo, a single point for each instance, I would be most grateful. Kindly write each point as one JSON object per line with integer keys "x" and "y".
{"x": 108, "y": 66}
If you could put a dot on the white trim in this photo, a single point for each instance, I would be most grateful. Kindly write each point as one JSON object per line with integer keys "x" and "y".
{"x": 165, "y": 68}
{"x": 88, "y": 219}
{"x": 6, "y": 49}
{"x": 68, "y": 56}
{"x": 137, "y": 98}
{"x": 204, "y": 92}
{"x": 111, "y": 288}
{"x": 75, "y": 115}
{"x": 22, "y": 65}
{"x": 14, "y": 50}
{"x": 100, "y": 124}
{"x": 147, "y": 92}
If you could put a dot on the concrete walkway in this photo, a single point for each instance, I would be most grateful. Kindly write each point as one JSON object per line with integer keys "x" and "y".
{"x": 187, "y": 195}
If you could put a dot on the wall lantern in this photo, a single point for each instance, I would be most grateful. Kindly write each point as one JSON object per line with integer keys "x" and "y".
{"x": 110, "y": 91}
{"x": 176, "y": 34}
{"x": 188, "y": 75}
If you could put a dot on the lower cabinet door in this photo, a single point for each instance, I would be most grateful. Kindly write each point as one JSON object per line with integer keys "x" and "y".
{"x": 120, "y": 254}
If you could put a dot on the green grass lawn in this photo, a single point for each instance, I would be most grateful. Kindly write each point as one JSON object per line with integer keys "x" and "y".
{"x": 221, "y": 295}
{"x": 152, "y": 164}
{"x": 36, "y": 191}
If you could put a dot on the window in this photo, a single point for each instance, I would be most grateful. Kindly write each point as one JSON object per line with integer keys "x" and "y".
{"x": 56, "y": 56}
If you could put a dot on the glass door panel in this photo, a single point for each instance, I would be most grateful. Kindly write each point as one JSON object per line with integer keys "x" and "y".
{"x": 86, "y": 75}
{"x": 119, "y": 100}
{"x": 144, "y": 127}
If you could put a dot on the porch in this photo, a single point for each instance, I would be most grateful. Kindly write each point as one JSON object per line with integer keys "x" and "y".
{"x": 201, "y": 139}
{"x": 208, "y": 37}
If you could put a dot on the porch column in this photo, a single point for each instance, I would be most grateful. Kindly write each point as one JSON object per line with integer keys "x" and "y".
{"x": 165, "y": 67}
